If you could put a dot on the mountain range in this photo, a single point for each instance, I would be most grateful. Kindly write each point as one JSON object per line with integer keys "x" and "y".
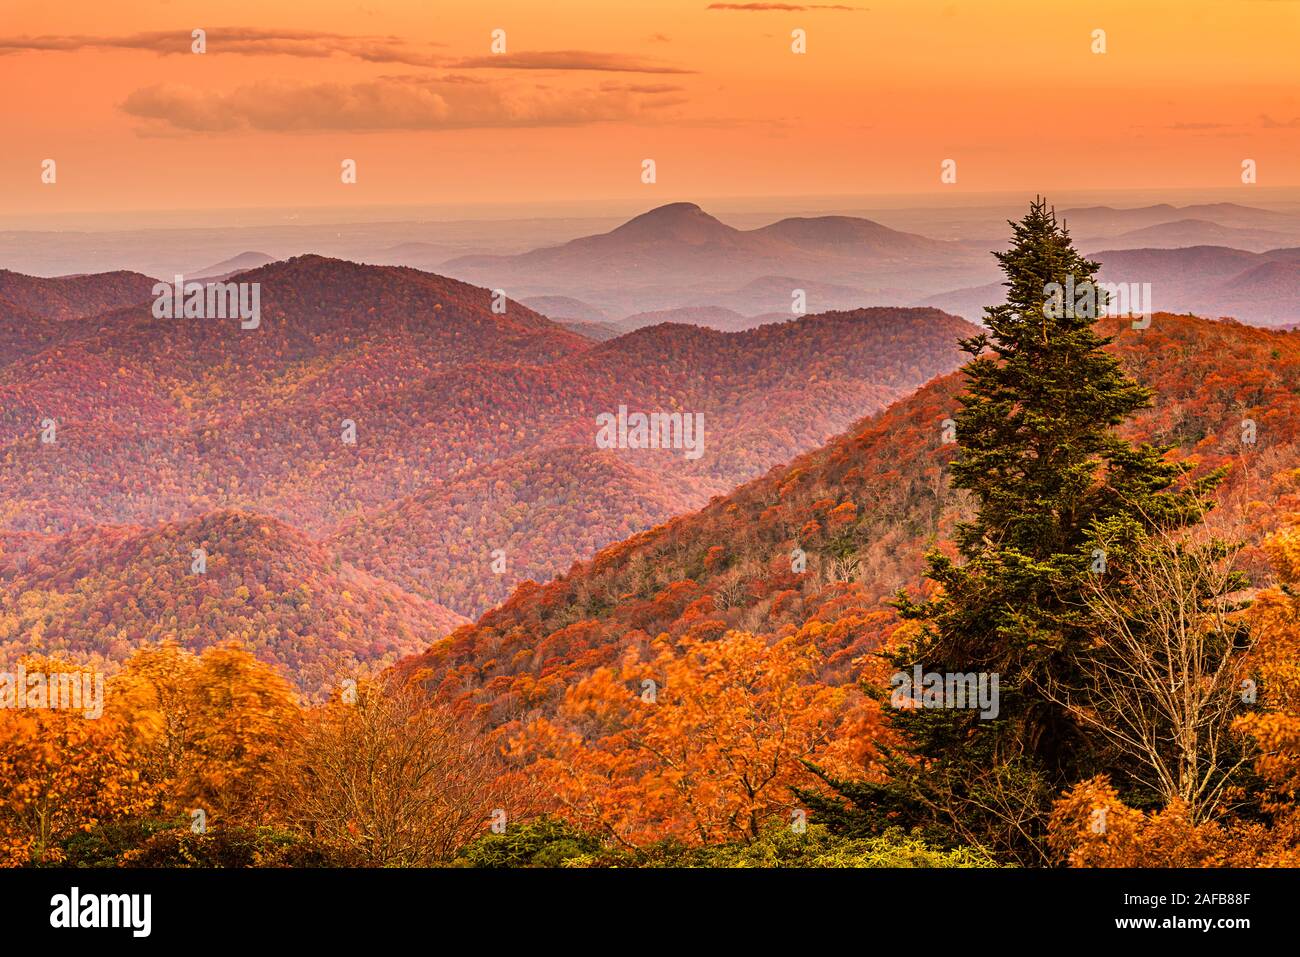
{"x": 680, "y": 256}
{"x": 677, "y": 259}
{"x": 410, "y": 440}
{"x": 860, "y": 513}
{"x": 392, "y": 453}
{"x": 1216, "y": 281}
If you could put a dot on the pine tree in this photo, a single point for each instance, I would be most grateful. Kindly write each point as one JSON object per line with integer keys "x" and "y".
{"x": 1050, "y": 479}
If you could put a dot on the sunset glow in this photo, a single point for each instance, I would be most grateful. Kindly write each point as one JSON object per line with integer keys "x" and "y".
{"x": 412, "y": 91}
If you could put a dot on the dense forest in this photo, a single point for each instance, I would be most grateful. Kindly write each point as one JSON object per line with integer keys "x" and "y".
{"x": 1100, "y": 517}
{"x": 465, "y": 421}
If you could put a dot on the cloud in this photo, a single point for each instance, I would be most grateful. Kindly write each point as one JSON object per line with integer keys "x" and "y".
{"x": 567, "y": 60}
{"x": 781, "y": 8}
{"x": 390, "y": 103}
{"x": 1268, "y": 123}
{"x": 245, "y": 41}
{"x": 645, "y": 88}
{"x": 249, "y": 41}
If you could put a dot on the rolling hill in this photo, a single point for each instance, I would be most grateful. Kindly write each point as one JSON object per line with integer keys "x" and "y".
{"x": 864, "y": 509}
{"x": 100, "y": 592}
{"x": 678, "y": 255}
{"x": 371, "y": 398}
{"x": 233, "y": 266}
{"x": 712, "y": 317}
{"x": 1199, "y": 232}
{"x": 1259, "y": 288}
{"x": 70, "y": 297}
{"x": 761, "y": 405}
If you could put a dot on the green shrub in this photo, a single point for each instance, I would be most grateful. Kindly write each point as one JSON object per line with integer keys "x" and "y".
{"x": 545, "y": 842}
{"x": 228, "y": 847}
{"x": 551, "y": 843}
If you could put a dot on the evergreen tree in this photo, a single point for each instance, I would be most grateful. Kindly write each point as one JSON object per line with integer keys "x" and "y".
{"x": 1050, "y": 479}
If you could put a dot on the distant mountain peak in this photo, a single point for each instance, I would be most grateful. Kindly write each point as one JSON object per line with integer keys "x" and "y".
{"x": 235, "y": 264}
{"x": 676, "y": 221}
{"x": 249, "y": 256}
{"x": 828, "y": 233}
{"x": 672, "y": 209}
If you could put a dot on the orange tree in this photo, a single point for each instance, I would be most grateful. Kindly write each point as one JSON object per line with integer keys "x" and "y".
{"x": 702, "y": 740}
{"x": 62, "y": 772}
{"x": 218, "y": 722}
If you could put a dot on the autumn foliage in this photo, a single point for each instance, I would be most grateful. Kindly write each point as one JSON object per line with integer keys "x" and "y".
{"x": 674, "y": 685}
{"x": 61, "y": 773}
{"x": 700, "y": 740}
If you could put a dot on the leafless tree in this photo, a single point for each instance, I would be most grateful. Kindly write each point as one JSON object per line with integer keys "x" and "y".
{"x": 842, "y": 568}
{"x": 1161, "y": 681}
{"x": 730, "y": 593}
{"x": 391, "y": 779}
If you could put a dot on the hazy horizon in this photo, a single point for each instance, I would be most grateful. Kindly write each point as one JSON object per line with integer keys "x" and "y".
{"x": 162, "y": 242}
{"x": 789, "y": 203}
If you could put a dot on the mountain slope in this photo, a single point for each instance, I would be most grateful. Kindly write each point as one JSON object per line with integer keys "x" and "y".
{"x": 679, "y": 236}
{"x": 381, "y": 391}
{"x": 1258, "y": 288}
{"x": 1199, "y": 232}
{"x": 864, "y": 509}
{"x": 102, "y": 592}
{"x": 539, "y": 511}
{"x": 232, "y": 266}
{"x": 184, "y": 406}
{"x": 765, "y": 395}
{"x": 851, "y": 236}
{"x": 68, "y": 297}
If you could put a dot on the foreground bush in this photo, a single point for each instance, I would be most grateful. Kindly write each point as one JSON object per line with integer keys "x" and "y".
{"x": 156, "y": 842}
{"x": 549, "y": 843}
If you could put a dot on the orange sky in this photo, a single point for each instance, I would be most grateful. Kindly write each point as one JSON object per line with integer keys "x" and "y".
{"x": 409, "y": 89}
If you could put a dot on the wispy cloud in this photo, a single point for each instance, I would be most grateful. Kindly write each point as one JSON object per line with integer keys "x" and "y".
{"x": 567, "y": 60}
{"x": 249, "y": 41}
{"x": 244, "y": 41}
{"x": 782, "y": 7}
{"x": 645, "y": 88}
{"x": 388, "y": 103}
{"x": 1268, "y": 123}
